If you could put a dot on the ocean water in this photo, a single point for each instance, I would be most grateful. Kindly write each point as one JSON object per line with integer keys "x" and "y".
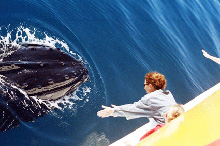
{"x": 120, "y": 41}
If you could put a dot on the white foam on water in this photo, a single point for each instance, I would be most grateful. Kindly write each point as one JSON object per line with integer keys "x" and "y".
{"x": 23, "y": 34}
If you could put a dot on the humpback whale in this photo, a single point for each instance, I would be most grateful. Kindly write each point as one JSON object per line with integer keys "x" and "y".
{"x": 33, "y": 75}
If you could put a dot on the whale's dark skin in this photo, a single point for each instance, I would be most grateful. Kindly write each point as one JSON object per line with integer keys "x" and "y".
{"x": 35, "y": 70}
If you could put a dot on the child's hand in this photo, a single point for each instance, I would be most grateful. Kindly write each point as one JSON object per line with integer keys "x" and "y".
{"x": 106, "y": 112}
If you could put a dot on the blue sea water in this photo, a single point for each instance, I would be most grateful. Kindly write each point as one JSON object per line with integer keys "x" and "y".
{"x": 120, "y": 41}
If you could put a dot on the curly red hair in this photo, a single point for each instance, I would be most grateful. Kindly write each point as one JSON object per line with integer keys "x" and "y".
{"x": 157, "y": 80}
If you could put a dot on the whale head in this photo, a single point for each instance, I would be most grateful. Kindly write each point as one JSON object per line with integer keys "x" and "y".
{"x": 33, "y": 75}
{"x": 43, "y": 71}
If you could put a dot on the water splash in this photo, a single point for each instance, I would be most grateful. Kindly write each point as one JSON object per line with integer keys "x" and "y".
{"x": 22, "y": 34}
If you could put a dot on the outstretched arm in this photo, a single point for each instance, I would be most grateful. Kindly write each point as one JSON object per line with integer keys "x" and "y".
{"x": 129, "y": 111}
{"x": 217, "y": 60}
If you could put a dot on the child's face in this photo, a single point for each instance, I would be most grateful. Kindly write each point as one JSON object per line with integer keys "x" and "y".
{"x": 149, "y": 88}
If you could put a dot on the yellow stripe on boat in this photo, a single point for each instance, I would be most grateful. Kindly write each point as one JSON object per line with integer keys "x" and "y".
{"x": 199, "y": 126}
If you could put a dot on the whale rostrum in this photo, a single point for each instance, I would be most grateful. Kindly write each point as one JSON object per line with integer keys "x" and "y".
{"x": 34, "y": 70}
